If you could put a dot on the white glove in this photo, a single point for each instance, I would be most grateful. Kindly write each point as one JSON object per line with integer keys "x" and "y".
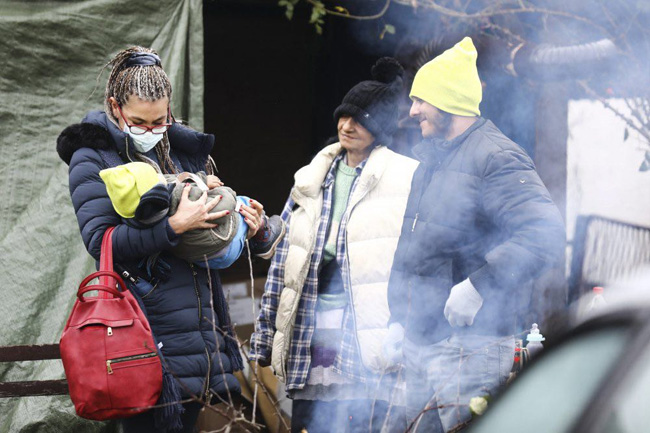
{"x": 392, "y": 347}
{"x": 463, "y": 304}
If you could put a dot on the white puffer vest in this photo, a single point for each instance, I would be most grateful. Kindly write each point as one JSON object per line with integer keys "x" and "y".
{"x": 375, "y": 213}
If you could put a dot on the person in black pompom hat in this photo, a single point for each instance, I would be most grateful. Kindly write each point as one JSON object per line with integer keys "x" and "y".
{"x": 324, "y": 312}
{"x": 373, "y": 103}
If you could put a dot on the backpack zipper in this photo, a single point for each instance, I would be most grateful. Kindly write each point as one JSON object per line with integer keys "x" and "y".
{"x": 109, "y": 362}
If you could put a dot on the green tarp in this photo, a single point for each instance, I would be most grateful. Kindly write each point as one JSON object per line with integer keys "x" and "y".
{"x": 51, "y": 53}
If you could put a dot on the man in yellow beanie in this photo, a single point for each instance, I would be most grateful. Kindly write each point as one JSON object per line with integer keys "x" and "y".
{"x": 479, "y": 226}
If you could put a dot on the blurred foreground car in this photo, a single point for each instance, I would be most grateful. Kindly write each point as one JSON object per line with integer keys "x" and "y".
{"x": 596, "y": 378}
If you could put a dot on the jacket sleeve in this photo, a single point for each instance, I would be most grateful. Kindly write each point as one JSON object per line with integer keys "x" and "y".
{"x": 95, "y": 214}
{"x": 262, "y": 338}
{"x": 515, "y": 199}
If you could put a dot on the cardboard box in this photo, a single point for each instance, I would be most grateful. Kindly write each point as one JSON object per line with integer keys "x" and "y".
{"x": 270, "y": 408}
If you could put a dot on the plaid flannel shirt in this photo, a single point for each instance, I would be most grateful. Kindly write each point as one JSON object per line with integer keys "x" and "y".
{"x": 347, "y": 361}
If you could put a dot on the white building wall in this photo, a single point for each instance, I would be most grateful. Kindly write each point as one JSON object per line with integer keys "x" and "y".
{"x": 603, "y": 176}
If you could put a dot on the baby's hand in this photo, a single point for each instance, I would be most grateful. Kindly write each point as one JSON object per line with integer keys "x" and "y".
{"x": 253, "y": 216}
{"x": 214, "y": 181}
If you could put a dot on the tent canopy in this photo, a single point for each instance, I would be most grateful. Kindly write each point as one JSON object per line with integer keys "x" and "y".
{"x": 52, "y": 53}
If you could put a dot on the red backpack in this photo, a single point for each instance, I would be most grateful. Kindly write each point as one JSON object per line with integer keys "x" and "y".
{"x": 108, "y": 352}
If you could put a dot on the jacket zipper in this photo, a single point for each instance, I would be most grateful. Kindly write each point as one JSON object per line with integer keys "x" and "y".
{"x": 110, "y": 362}
{"x": 207, "y": 353}
{"x": 415, "y": 221}
{"x": 196, "y": 291}
{"x": 207, "y": 383}
{"x": 349, "y": 281}
{"x": 347, "y": 259}
{"x": 428, "y": 174}
{"x": 126, "y": 141}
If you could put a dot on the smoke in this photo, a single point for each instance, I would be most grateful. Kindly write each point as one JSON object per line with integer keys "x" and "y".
{"x": 344, "y": 414}
{"x": 534, "y": 67}
{"x": 529, "y": 103}
{"x": 629, "y": 293}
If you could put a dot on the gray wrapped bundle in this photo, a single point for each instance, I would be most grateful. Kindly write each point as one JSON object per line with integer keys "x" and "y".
{"x": 196, "y": 245}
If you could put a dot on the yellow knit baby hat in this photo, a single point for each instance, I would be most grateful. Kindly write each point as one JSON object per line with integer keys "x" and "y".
{"x": 450, "y": 82}
{"x": 126, "y": 183}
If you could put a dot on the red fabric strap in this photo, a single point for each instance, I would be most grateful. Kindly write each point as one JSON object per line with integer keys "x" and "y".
{"x": 106, "y": 264}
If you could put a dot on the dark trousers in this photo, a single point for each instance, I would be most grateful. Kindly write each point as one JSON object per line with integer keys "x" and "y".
{"x": 144, "y": 422}
{"x": 344, "y": 416}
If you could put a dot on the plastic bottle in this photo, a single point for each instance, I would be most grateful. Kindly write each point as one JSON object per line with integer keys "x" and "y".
{"x": 534, "y": 345}
{"x": 597, "y": 300}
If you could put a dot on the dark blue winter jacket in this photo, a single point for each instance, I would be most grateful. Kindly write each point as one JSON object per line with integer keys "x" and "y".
{"x": 478, "y": 210}
{"x": 181, "y": 306}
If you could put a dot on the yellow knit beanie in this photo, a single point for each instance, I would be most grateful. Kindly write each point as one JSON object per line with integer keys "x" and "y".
{"x": 450, "y": 82}
{"x": 126, "y": 183}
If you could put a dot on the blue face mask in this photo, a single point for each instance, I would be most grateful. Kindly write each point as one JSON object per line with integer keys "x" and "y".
{"x": 144, "y": 142}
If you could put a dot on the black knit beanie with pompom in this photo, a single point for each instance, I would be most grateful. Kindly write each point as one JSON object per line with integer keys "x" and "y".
{"x": 373, "y": 103}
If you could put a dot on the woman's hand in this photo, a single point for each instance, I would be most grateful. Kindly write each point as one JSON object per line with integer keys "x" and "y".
{"x": 253, "y": 216}
{"x": 192, "y": 215}
{"x": 213, "y": 181}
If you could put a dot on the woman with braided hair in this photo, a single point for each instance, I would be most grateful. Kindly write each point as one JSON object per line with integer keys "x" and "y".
{"x": 184, "y": 303}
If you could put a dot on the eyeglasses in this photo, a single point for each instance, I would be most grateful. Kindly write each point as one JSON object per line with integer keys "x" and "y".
{"x": 141, "y": 129}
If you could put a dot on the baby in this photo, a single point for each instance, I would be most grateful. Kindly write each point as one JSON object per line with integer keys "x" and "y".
{"x": 143, "y": 197}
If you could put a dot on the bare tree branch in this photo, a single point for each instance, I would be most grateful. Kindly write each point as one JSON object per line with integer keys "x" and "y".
{"x": 498, "y": 10}
{"x": 379, "y": 14}
{"x": 628, "y": 121}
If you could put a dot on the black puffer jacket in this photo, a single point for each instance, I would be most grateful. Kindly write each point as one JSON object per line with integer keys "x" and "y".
{"x": 179, "y": 308}
{"x": 477, "y": 209}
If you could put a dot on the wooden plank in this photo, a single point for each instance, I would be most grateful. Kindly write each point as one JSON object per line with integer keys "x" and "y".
{"x": 34, "y": 388}
{"x": 29, "y": 353}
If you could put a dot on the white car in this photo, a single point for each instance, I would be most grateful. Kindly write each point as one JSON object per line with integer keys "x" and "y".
{"x": 594, "y": 379}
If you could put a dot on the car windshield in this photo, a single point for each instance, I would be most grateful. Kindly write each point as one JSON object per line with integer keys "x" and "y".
{"x": 551, "y": 396}
{"x": 629, "y": 406}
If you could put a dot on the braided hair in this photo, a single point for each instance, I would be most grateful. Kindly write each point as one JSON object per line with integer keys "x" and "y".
{"x": 147, "y": 82}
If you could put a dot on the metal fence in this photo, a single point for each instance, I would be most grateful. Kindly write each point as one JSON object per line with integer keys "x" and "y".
{"x": 604, "y": 251}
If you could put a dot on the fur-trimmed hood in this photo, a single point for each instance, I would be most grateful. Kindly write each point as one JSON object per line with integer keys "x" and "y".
{"x": 81, "y": 135}
{"x": 96, "y": 131}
